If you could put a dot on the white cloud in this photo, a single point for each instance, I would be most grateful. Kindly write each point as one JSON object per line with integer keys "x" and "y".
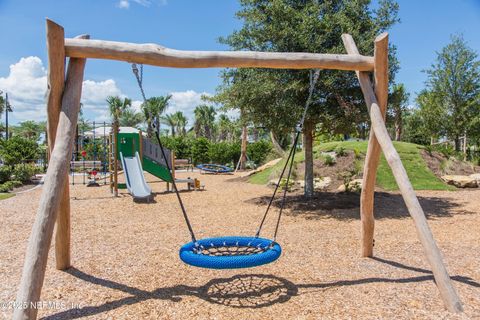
{"x": 26, "y": 85}
{"x": 186, "y": 101}
{"x": 125, "y": 4}
{"x": 136, "y": 105}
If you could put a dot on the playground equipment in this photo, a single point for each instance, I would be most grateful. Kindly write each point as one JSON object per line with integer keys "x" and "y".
{"x": 135, "y": 180}
{"x": 132, "y": 141}
{"x": 63, "y": 103}
{"x": 91, "y": 154}
{"x": 214, "y": 168}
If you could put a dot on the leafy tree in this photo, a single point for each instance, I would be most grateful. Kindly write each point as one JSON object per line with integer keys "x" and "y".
{"x": 432, "y": 114}
{"x": 153, "y": 109}
{"x": 18, "y": 149}
{"x": 204, "y": 121}
{"x": 453, "y": 89}
{"x": 274, "y": 98}
{"x": 398, "y": 101}
{"x": 414, "y": 127}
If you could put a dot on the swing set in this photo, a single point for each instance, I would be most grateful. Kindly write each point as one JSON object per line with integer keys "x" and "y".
{"x": 63, "y": 103}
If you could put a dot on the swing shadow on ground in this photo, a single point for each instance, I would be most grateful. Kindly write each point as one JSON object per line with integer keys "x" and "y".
{"x": 241, "y": 291}
{"x": 346, "y": 206}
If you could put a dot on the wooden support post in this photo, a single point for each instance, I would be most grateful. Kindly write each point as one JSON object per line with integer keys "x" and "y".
{"x": 56, "y": 82}
{"x": 172, "y": 157}
{"x": 372, "y": 158}
{"x": 115, "y": 159}
{"x": 110, "y": 155}
{"x": 434, "y": 257}
{"x": 140, "y": 147}
{"x": 52, "y": 192}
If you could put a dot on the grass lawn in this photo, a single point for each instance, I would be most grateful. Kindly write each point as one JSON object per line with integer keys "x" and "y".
{"x": 420, "y": 176}
{"x": 4, "y": 196}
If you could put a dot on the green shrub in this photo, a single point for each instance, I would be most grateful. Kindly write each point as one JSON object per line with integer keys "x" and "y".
{"x": 200, "y": 150}
{"x": 258, "y": 151}
{"x": 16, "y": 183}
{"x": 5, "y": 173}
{"x": 328, "y": 160}
{"x": 24, "y": 172}
{"x": 17, "y": 150}
{"x": 340, "y": 151}
{"x": 9, "y": 185}
{"x": 221, "y": 152}
{"x": 358, "y": 154}
{"x": 4, "y": 188}
{"x": 429, "y": 149}
{"x": 446, "y": 150}
{"x": 182, "y": 146}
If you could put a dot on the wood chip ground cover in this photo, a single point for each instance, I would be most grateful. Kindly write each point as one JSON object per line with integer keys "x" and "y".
{"x": 126, "y": 264}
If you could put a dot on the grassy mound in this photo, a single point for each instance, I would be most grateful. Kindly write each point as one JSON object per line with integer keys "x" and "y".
{"x": 420, "y": 175}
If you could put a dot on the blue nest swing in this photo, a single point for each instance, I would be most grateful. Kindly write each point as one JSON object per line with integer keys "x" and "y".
{"x": 234, "y": 252}
{"x": 214, "y": 168}
{"x": 230, "y": 252}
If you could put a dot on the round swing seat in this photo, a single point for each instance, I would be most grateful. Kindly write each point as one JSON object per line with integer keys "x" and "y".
{"x": 230, "y": 252}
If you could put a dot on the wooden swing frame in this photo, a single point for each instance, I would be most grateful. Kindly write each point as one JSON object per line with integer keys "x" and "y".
{"x": 63, "y": 104}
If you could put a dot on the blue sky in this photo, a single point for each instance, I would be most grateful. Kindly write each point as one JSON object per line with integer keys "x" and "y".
{"x": 182, "y": 24}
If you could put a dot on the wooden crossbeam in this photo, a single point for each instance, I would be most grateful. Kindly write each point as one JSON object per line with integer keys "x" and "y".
{"x": 156, "y": 55}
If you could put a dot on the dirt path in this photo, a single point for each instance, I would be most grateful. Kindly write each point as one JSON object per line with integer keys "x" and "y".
{"x": 126, "y": 264}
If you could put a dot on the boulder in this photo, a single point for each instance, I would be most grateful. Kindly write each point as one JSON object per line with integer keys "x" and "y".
{"x": 476, "y": 176}
{"x": 353, "y": 186}
{"x": 322, "y": 183}
{"x": 460, "y": 181}
{"x": 301, "y": 183}
{"x": 273, "y": 182}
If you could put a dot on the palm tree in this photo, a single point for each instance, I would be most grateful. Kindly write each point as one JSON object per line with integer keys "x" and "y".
{"x": 29, "y": 129}
{"x": 152, "y": 109}
{"x": 130, "y": 118}
{"x": 171, "y": 121}
{"x": 2, "y": 102}
{"x": 204, "y": 121}
{"x": 181, "y": 123}
{"x": 225, "y": 128}
{"x": 116, "y": 106}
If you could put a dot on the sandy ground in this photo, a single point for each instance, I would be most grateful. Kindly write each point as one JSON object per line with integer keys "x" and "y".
{"x": 126, "y": 264}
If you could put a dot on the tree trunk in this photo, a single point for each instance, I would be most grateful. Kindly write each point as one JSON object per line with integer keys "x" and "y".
{"x": 308, "y": 149}
{"x": 275, "y": 143}
{"x": 243, "y": 154}
{"x": 398, "y": 127}
{"x": 457, "y": 143}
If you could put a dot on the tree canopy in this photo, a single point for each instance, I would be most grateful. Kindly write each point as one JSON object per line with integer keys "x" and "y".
{"x": 450, "y": 103}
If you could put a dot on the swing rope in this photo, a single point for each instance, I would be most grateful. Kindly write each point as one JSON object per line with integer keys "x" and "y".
{"x": 200, "y": 248}
{"x": 291, "y": 157}
{"x": 157, "y": 135}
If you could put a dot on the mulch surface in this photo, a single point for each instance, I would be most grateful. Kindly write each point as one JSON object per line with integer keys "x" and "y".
{"x": 126, "y": 264}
